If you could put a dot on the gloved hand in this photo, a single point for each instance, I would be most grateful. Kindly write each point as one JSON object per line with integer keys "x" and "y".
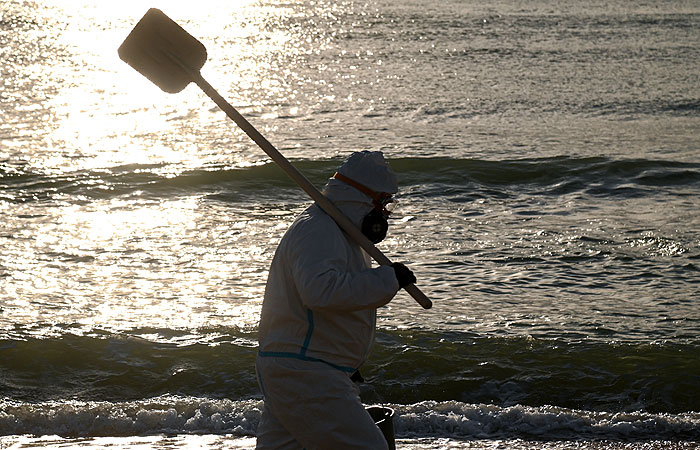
{"x": 403, "y": 274}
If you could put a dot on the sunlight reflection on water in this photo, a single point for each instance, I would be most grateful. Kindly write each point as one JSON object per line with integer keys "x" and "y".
{"x": 97, "y": 111}
{"x": 121, "y": 265}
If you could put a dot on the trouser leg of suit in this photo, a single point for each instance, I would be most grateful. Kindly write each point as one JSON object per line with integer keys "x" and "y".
{"x": 273, "y": 435}
{"x": 316, "y": 405}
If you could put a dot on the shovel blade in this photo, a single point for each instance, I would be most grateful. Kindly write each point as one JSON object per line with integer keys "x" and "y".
{"x": 163, "y": 51}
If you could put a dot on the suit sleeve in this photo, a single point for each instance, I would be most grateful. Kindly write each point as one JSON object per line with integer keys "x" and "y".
{"x": 324, "y": 279}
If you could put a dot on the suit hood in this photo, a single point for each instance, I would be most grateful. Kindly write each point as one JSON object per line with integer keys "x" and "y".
{"x": 368, "y": 168}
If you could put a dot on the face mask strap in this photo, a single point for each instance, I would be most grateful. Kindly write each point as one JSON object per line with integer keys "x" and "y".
{"x": 377, "y": 199}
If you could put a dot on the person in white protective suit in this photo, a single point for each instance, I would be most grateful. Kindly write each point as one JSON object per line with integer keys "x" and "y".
{"x": 319, "y": 313}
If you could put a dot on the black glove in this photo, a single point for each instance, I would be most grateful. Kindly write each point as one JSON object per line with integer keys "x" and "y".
{"x": 403, "y": 275}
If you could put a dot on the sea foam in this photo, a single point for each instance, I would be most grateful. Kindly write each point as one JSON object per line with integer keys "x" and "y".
{"x": 192, "y": 415}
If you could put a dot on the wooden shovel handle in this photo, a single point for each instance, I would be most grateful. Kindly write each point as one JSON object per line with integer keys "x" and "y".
{"x": 304, "y": 183}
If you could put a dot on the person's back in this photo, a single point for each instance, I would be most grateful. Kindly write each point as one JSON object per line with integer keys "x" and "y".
{"x": 325, "y": 314}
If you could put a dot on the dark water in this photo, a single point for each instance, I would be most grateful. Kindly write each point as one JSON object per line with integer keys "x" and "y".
{"x": 549, "y": 164}
{"x": 408, "y": 367}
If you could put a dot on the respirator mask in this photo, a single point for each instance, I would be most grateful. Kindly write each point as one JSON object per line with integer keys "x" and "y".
{"x": 375, "y": 224}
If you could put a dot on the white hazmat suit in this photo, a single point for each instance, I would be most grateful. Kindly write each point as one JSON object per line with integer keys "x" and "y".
{"x": 318, "y": 322}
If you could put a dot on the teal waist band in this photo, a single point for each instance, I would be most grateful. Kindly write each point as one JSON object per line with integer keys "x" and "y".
{"x": 303, "y": 357}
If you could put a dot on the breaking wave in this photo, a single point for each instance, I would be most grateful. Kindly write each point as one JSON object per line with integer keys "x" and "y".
{"x": 180, "y": 415}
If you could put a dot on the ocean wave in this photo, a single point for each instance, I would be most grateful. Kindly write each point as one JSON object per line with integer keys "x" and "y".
{"x": 680, "y": 108}
{"x": 196, "y": 415}
{"x": 157, "y": 415}
{"x": 405, "y": 367}
{"x": 596, "y": 176}
{"x": 461, "y": 420}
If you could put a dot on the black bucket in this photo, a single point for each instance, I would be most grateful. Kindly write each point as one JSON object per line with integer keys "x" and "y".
{"x": 384, "y": 418}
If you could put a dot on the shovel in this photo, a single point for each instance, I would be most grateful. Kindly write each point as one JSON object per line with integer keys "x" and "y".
{"x": 171, "y": 58}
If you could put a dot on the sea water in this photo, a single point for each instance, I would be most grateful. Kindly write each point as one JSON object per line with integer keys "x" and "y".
{"x": 548, "y": 154}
